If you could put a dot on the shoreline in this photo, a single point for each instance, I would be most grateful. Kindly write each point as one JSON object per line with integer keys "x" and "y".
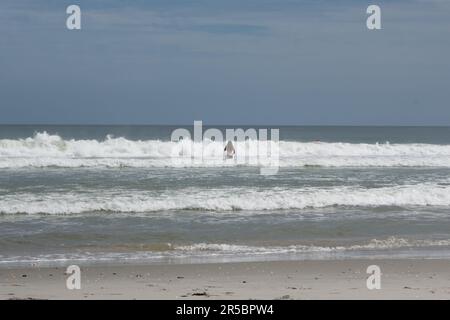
{"x": 306, "y": 279}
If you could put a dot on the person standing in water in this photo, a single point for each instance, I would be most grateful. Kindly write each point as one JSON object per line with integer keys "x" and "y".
{"x": 230, "y": 151}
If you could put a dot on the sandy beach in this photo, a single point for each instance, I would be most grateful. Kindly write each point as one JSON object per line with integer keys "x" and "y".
{"x": 401, "y": 279}
{"x": 224, "y": 150}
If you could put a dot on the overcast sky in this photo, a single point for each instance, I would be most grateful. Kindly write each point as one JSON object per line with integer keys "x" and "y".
{"x": 225, "y": 62}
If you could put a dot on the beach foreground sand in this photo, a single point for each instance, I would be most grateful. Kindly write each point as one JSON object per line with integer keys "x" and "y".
{"x": 401, "y": 279}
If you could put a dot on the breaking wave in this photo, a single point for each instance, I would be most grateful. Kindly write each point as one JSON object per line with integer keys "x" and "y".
{"x": 45, "y": 150}
{"x": 226, "y": 199}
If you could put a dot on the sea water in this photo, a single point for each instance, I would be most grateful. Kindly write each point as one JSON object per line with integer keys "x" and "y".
{"x": 113, "y": 194}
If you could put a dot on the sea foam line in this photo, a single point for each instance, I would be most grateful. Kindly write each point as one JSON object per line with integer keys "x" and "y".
{"x": 388, "y": 243}
{"x": 45, "y": 150}
{"x": 225, "y": 199}
{"x": 224, "y": 250}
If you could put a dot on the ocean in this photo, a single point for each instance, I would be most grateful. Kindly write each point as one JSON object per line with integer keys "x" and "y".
{"x": 114, "y": 195}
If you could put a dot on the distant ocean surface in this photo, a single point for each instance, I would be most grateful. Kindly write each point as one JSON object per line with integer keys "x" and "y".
{"x": 112, "y": 194}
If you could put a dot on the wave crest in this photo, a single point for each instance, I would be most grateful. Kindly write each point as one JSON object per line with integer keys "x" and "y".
{"x": 45, "y": 150}
{"x": 226, "y": 200}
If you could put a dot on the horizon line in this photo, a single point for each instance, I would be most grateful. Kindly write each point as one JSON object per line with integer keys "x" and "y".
{"x": 221, "y": 125}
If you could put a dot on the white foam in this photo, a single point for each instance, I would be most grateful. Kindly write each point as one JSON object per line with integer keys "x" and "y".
{"x": 44, "y": 150}
{"x": 225, "y": 200}
{"x": 374, "y": 244}
{"x": 230, "y": 252}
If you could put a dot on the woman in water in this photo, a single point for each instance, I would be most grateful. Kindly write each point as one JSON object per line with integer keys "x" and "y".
{"x": 229, "y": 149}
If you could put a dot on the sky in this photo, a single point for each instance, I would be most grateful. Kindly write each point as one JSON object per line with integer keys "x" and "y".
{"x": 261, "y": 62}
